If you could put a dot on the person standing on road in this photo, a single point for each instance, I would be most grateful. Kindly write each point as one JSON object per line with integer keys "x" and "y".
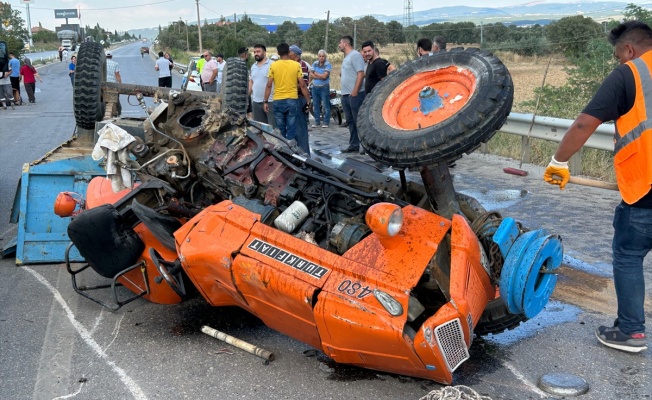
{"x": 200, "y": 66}
{"x": 71, "y": 69}
{"x": 163, "y": 67}
{"x": 113, "y": 75}
{"x": 257, "y": 84}
{"x": 169, "y": 58}
{"x": 220, "y": 71}
{"x": 286, "y": 77}
{"x": 321, "y": 89}
{"x": 376, "y": 69}
{"x": 65, "y": 55}
{"x": 6, "y": 93}
{"x": 112, "y": 69}
{"x": 14, "y": 65}
{"x": 209, "y": 73}
{"x": 625, "y": 97}
{"x": 439, "y": 43}
{"x": 302, "y": 101}
{"x": 352, "y": 91}
{"x": 60, "y": 54}
{"x": 29, "y": 75}
{"x": 424, "y": 47}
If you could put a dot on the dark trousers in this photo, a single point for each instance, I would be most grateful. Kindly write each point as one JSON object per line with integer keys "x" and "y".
{"x": 165, "y": 82}
{"x": 351, "y": 105}
{"x": 631, "y": 243}
{"x": 15, "y": 85}
{"x": 30, "y": 88}
{"x": 260, "y": 115}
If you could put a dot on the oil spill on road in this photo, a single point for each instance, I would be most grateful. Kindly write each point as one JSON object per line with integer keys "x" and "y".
{"x": 348, "y": 373}
{"x": 554, "y": 313}
{"x": 585, "y": 290}
{"x": 484, "y": 359}
{"x": 197, "y": 313}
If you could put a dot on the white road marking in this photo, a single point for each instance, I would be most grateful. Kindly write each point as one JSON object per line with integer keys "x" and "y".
{"x": 68, "y": 396}
{"x": 86, "y": 336}
{"x": 525, "y": 381}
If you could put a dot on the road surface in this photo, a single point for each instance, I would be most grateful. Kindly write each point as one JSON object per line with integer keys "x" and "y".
{"x": 56, "y": 344}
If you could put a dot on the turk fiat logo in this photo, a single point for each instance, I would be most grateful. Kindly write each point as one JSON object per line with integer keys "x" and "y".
{"x": 287, "y": 258}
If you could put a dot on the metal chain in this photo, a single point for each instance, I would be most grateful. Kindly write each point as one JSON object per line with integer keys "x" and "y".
{"x": 459, "y": 392}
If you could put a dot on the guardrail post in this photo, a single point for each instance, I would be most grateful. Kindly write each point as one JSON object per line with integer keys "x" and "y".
{"x": 576, "y": 163}
{"x": 484, "y": 148}
{"x": 525, "y": 149}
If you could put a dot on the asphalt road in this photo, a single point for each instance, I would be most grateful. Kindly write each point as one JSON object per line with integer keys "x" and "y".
{"x": 56, "y": 344}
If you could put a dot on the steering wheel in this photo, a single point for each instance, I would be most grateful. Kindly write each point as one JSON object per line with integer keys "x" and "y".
{"x": 170, "y": 272}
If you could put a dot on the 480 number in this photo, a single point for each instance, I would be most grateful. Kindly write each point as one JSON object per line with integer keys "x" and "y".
{"x": 354, "y": 289}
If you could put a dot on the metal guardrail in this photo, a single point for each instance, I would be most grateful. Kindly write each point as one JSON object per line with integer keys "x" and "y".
{"x": 553, "y": 129}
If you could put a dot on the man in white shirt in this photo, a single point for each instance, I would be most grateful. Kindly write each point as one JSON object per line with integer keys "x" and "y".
{"x": 257, "y": 83}
{"x": 163, "y": 67}
{"x": 209, "y": 73}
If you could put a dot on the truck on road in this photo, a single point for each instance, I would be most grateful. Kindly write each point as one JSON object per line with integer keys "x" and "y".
{"x": 68, "y": 39}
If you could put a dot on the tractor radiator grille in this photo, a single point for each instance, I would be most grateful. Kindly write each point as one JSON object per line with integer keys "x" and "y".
{"x": 450, "y": 339}
{"x": 469, "y": 320}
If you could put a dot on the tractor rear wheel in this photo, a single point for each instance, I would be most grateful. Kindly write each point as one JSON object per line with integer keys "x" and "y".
{"x": 235, "y": 85}
{"x": 90, "y": 72}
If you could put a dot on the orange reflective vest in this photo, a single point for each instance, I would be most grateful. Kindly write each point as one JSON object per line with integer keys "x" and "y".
{"x": 633, "y": 138}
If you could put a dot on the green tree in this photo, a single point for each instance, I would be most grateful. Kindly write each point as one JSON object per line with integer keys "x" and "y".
{"x": 495, "y": 33}
{"x": 44, "y": 36}
{"x": 412, "y": 33}
{"x": 229, "y": 45}
{"x": 571, "y": 35}
{"x": 632, "y": 11}
{"x": 395, "y": 31}
{"x": 12, "y": 29}
{"x": 290, "y": 33}
{"x": 313, "y": 38}
{"x": 369, "y": 28}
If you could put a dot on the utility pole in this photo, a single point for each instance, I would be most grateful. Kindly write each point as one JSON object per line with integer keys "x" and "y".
{"x": 328, "y": 16}
{"x": 235, "y": 30}
{"x": 29, "y": 26}
{"x": 201, "y": 48}
{"x": 187, "y": 41}
{"x": 481, "y": 33}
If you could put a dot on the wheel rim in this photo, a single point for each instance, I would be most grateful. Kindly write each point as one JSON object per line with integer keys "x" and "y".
{"x": 410, "y": 107}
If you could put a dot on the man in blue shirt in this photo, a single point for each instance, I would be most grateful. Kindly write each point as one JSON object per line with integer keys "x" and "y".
{"x": 321, "y": 90}
{"x": 14, "y": 64}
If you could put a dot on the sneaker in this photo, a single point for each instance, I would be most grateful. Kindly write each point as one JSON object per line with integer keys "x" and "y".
{"x": 314, "y": 126}
{"x": 611, "y": 336}
{"x": 324, "y": 126}
{"x": 351, "y": 149}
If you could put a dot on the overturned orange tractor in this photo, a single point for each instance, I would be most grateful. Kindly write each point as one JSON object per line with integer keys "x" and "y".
{"x": 374, "y": 271}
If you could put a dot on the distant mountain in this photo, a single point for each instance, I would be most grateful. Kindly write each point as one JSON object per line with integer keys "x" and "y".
{"x": 526, "y": 14}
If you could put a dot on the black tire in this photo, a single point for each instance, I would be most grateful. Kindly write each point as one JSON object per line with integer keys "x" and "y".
{"x": 234, "y": 85}
{"x": 90, "y": 72}
{"x": 496, "y": 319}
{"x": 485, "y": 111}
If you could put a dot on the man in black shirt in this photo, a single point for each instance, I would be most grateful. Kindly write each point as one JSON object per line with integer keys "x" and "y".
{"x": 376, "y": 69}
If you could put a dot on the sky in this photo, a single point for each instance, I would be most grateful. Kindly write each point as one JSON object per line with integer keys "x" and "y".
{"x": 135, "y": 14}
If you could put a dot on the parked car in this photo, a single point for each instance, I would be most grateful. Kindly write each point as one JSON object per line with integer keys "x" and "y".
{"x": 191, "y": 77}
